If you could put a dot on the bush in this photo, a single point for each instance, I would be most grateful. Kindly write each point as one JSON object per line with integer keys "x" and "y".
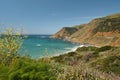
{"x": 30, "y": 70}
{"x": 10, "y": 42}
{"x": 104, "y": 48}
{"x": 71, "y": 54}
{"x": 89, "y": 48}
{"x": 15, "y": 76}
{"x": 108, "y": 64}
{"x": 95, "y": 54}
{"x": 112, "y": 63}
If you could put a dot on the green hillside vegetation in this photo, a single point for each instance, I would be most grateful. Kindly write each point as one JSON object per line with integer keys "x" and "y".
{"x": 106, "y": 59}
{"x": 108, "y": 24}
{"x": 70, "y": 30}
{"x": 79, "y": 26}
{"x": 117, "y": 15}
{"x": 65, "y": 32}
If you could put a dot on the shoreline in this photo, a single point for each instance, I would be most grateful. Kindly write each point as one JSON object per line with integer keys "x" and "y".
{"x": 66, "y": 52}
{"x": 73, "y": 49}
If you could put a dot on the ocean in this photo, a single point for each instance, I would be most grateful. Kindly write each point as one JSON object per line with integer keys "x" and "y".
{"x": 37, "y": 46}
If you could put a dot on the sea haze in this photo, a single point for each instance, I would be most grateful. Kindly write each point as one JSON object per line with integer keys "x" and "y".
{"x": 42, "y": 45}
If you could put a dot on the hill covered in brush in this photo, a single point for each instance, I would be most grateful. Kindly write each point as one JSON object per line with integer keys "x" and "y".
{"x": 100, "y": 32}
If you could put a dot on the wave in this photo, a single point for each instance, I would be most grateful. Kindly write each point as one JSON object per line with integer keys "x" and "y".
{"x": 69, "y": 50}
{"x": 74, "y": 48}
{"x": 38, "y": 44}
{"x": 43, "y": 36}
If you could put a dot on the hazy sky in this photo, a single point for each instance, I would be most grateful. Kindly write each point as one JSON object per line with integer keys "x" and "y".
{"x": 48, "y": 16}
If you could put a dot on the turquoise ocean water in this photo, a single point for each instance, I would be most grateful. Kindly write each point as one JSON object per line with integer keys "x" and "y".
{"x": 42, "y": 45}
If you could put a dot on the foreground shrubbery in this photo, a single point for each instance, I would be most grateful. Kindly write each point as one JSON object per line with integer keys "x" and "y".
{"x": 26, "y": 69}
{"x": 10, "y": 42}
{"x": 90, "y": 48}
{"x": 70, "y": 66}
{"x": 105, "y": 58}
{"x": 109, "y": 64}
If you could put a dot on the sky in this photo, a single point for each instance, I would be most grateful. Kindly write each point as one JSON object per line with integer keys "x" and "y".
{"x": 49, "y": 16}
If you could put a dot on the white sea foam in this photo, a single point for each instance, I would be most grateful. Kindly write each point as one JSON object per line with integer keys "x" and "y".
{"x": 38, "y": 45}
{"x": 61, "y": 53}
{"x": 69, "y": 50}
{"x": 42, "y": 36}
{"x": 74, "y": 48}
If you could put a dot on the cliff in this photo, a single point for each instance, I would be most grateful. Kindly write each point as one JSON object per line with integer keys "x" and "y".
{"x": 65, "y": 33}
{"x": 100, "y": 32}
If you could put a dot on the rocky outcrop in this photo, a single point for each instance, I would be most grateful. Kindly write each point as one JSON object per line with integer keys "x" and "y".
{"x": 99, "y": 32}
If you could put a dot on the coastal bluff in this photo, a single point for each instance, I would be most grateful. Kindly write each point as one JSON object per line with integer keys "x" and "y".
{"x": 99, "y": 32}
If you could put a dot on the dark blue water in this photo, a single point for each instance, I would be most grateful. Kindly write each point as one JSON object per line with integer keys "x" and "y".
{"x": 42, "y": 45}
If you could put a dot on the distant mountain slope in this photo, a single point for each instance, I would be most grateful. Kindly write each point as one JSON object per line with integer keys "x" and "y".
{"x": 65, "y": 32}
{"x": 100, "y": 32}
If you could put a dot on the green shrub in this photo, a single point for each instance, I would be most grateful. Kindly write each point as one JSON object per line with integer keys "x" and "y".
{"x": 70, "y": 54}
{"x": 58, "y": 58}
{"x": 95, "y": 54}
{"x": 10, "y": 42}
{"x": 112, "y": 63}
{"x": 108, "y": 64}
{"x": 15, "y": 76}
{"x": 104, "y": 48}
{"x": 30, "y": 70}
{"x": 89, "y": 48}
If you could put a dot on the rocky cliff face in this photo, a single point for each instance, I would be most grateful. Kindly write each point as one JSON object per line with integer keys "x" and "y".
{"x": 99, "y": 32}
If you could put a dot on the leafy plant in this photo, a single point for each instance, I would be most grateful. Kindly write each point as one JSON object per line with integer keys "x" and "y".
{"x": 89, "y": 48}
{"x": 10, "y": 42}
{"x": 104, "y": 48}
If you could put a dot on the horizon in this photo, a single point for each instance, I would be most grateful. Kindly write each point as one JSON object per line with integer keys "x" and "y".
{"x": 47, "y": 17}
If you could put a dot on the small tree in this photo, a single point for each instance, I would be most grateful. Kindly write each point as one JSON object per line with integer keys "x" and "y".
{"x": 10, "y": 42}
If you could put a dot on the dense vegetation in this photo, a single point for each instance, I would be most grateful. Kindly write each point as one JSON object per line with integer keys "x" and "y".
{"x": 106, "y": 58}
{"x": 71, "y": 30}
{"x": 108, "y": 24}
{"x": 79, "y": 26}
{"x": 86, "y": 63}
{"x": 24, "y": 68}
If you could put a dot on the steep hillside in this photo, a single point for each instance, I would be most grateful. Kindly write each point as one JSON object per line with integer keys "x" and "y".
{"x": 100, "y": 32}
{"x": 65, "y": 32}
